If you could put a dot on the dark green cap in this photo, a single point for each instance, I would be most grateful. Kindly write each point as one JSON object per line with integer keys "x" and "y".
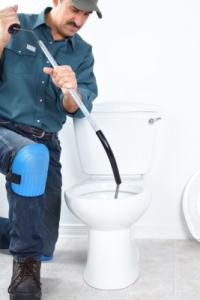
{"x": 87, "y": 5}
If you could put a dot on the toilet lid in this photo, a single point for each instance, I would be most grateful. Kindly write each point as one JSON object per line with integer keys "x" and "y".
{"x": 191, "y": 205}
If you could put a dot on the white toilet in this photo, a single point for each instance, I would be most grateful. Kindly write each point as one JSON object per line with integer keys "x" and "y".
{"x": 113, "y": 258}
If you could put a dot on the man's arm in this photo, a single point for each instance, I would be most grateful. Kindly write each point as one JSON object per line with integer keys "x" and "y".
{"x": 87, "y": 85}
{"x": 1, "y": 49}
{"x": 83, "y": 82}
{"x": 64, "y": 78}
{"x": 8, "y": 16}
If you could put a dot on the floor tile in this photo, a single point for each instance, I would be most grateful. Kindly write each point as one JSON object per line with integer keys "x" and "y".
{"x": 169, "y": 270}
{"x": 154, "y": 270}
{"x": 187, "y": 250}
{"x": 152, "y": 290}
{"x": 187, "y": 290}
{"x": 156, "y": 250}
{"x": 4, "y": 283}
{"x": 88, "y": 291}
{"x": 57, "y": 286}
{"x": 187, "y": 270}
{"x": 102, "y": 297}
{"x": 5, "y": 257}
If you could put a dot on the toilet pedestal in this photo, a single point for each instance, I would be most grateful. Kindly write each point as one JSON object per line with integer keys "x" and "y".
{"x": 113, "y": 259}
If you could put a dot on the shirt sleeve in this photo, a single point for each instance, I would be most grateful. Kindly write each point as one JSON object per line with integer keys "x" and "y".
{"x": 1, "y": 65}
{"x": 87, "y": 85}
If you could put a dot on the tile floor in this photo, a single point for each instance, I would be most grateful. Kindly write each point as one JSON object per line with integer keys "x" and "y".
{"x": 170, "y": 270}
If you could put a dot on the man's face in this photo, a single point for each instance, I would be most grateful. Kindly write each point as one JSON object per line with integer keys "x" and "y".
{"x": 67, "y": 18}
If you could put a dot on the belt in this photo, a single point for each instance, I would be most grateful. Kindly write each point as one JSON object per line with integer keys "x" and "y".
{"x": 35, "y": 131}
{"x": 32, "y": 130}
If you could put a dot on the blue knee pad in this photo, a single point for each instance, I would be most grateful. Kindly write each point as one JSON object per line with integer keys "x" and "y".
{"x": 31, "y": 166}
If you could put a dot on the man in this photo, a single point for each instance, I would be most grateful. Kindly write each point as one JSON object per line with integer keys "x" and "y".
{"x": 34, "y": 104}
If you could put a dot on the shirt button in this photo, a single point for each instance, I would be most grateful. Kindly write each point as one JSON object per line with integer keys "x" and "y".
{"x": 42, "y": 82}
{"x": 47, "y": 62}
{"x": 41, "y": 100}
{"x": 50, "y": 43}
{"x": 38, "y": 121}
{"x": 20, "y": 51}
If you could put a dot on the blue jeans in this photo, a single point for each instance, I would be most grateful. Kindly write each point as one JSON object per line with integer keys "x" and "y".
{"x": 32, "y": 228}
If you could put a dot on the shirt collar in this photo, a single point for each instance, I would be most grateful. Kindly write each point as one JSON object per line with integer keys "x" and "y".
{"x": 40, "y": 20}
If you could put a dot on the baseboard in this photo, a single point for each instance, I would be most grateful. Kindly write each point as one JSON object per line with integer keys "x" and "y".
{"x": 159, "y": 232}
{"x": 139, "y": 232}
{"x": 73, "y": 230}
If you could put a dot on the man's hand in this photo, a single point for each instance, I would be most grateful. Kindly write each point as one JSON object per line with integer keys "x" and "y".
{"x": 8, "y": 16}
{"x": 63, "y": 77}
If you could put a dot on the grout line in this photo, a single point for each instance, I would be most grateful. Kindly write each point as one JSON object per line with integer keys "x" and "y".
{"x": 175, "y": 270}
{"x": 79, "y": 292}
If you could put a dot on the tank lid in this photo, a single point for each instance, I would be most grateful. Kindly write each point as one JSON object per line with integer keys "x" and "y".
{"x": 123, "y": 107}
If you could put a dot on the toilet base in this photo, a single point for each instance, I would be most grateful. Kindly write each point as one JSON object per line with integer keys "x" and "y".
{"x": 113, "y": 259}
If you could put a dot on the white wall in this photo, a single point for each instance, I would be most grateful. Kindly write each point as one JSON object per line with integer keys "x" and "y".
{"x": 148, "y": 52}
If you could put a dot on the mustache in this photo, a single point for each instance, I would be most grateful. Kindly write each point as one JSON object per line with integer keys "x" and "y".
{"x": 73, "y": 24}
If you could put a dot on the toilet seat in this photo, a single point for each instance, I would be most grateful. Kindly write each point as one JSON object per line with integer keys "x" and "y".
{"x": 134, "y": 179}
{"x": 134, "y": 182}
{"x": 191, "y": 205}
{"x": 92, "y": 183}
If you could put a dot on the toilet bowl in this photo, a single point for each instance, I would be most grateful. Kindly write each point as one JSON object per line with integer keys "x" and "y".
{"x": 113, "y": 256}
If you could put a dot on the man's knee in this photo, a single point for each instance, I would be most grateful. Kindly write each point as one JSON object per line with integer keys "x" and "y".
{"x": 29, "y": 169}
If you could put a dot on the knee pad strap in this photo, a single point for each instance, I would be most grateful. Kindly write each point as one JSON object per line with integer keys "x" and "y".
{"x": 30, "y": 169}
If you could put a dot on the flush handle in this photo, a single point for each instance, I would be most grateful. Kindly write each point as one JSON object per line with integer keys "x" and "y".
{"x": 152, "y": 121}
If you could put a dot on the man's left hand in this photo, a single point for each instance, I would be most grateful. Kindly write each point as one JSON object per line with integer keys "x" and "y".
{"x": 63, "y": 77}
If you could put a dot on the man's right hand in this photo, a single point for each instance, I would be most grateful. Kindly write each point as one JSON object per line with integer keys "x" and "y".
{"x": 8, "y": 16}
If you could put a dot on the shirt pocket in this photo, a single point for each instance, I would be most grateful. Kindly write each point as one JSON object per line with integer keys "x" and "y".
{"x": 19, "y": 61}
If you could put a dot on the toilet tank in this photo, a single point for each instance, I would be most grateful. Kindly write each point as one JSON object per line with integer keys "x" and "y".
{"x": 129, "y": 129}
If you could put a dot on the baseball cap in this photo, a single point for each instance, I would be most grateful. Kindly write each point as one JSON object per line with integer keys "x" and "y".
{"x": 87, "y": 5}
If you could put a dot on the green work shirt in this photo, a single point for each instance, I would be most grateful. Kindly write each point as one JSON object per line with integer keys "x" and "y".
{"x": 27, "y": 94}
